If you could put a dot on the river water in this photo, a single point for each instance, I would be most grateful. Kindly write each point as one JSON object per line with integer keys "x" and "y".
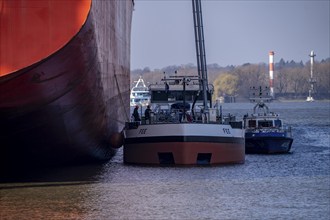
{"x": 285, "y": 186}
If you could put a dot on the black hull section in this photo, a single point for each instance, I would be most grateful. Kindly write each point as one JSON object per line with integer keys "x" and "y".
{"x": 267, "y": 145}
{"x": 52, "y": 138}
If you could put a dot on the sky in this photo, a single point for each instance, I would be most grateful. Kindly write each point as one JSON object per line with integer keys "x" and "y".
{"x": 235, "y": 31}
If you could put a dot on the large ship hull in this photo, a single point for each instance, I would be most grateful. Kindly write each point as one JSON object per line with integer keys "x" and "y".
{"x": 70, "y": 106}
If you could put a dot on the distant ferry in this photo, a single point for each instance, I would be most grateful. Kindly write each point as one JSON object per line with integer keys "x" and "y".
{"x": 139, "y": 94}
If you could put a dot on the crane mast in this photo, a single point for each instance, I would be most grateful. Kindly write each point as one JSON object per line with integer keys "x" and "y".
{"x": 200, "y": 49}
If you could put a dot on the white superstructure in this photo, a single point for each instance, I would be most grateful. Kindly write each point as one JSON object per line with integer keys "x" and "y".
{"x": 139, "y": 94}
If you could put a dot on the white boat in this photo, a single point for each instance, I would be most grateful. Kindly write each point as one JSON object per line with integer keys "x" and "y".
{"x": 309, "y": 97}
{"x": 139, "y": 94}
{"x": 184, "y": 136}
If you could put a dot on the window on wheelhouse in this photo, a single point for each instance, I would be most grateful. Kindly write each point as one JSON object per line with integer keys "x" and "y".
{"x": 176, "y": 96}
{"x": 265, "y": 124}
{"x": 278, "y": 123}
{"x": 252, "y": 123}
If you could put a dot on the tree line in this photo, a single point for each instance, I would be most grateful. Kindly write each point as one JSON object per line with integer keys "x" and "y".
{"x": 291, "y": 79}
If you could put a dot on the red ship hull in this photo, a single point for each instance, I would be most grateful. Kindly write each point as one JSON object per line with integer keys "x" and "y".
{"x": 68, "y": 106}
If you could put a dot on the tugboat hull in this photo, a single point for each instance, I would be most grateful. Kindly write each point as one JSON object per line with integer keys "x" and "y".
{"x": 267, "y": 145}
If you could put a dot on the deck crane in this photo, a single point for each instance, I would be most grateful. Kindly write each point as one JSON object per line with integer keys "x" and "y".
{"x": 200, "y": 50}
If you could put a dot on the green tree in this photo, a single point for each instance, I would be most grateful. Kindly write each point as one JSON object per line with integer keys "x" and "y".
{"x": 297, "y": 78}
{"x": 322, "y": 77}
{"x": 225, "y": 84}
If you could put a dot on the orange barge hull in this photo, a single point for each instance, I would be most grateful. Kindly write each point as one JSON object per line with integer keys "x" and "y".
{"x": 184, "y": 153}
{"x": 64, "y": 80}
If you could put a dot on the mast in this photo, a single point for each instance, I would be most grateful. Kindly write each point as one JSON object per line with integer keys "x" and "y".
{"x": 311, "y": 80}
{"x": 200, "y": 48}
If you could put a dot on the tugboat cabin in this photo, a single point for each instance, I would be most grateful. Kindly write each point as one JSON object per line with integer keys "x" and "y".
{"x": 259, "y": 121}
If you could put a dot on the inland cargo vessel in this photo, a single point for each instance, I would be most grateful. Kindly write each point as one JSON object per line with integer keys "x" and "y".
{"x": 64, "y": 80}
{"x": 181, "y": 131}
{"x": 184, "y": 128}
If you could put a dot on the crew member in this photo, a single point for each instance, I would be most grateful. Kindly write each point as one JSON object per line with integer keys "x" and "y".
{"x": 147, "y": 114}
{"x": 136, "y": 114}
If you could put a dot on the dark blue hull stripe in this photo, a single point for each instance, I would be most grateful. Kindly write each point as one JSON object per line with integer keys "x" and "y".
{"x": 232, "y": 140}
{"x": 267, "y": 145}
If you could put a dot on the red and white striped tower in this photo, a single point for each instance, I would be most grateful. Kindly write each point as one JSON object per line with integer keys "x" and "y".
{"x": 271, "y": 74}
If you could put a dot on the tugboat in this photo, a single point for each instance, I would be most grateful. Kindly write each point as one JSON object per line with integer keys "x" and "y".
{"x": 139, "y": 94}
{"x": 264, "y": 130}
{"x": 178, "y": 134}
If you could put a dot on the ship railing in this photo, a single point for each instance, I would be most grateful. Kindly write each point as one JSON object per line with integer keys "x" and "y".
{"x": 286, "y": 130}
{"x": 177, "y": 116}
